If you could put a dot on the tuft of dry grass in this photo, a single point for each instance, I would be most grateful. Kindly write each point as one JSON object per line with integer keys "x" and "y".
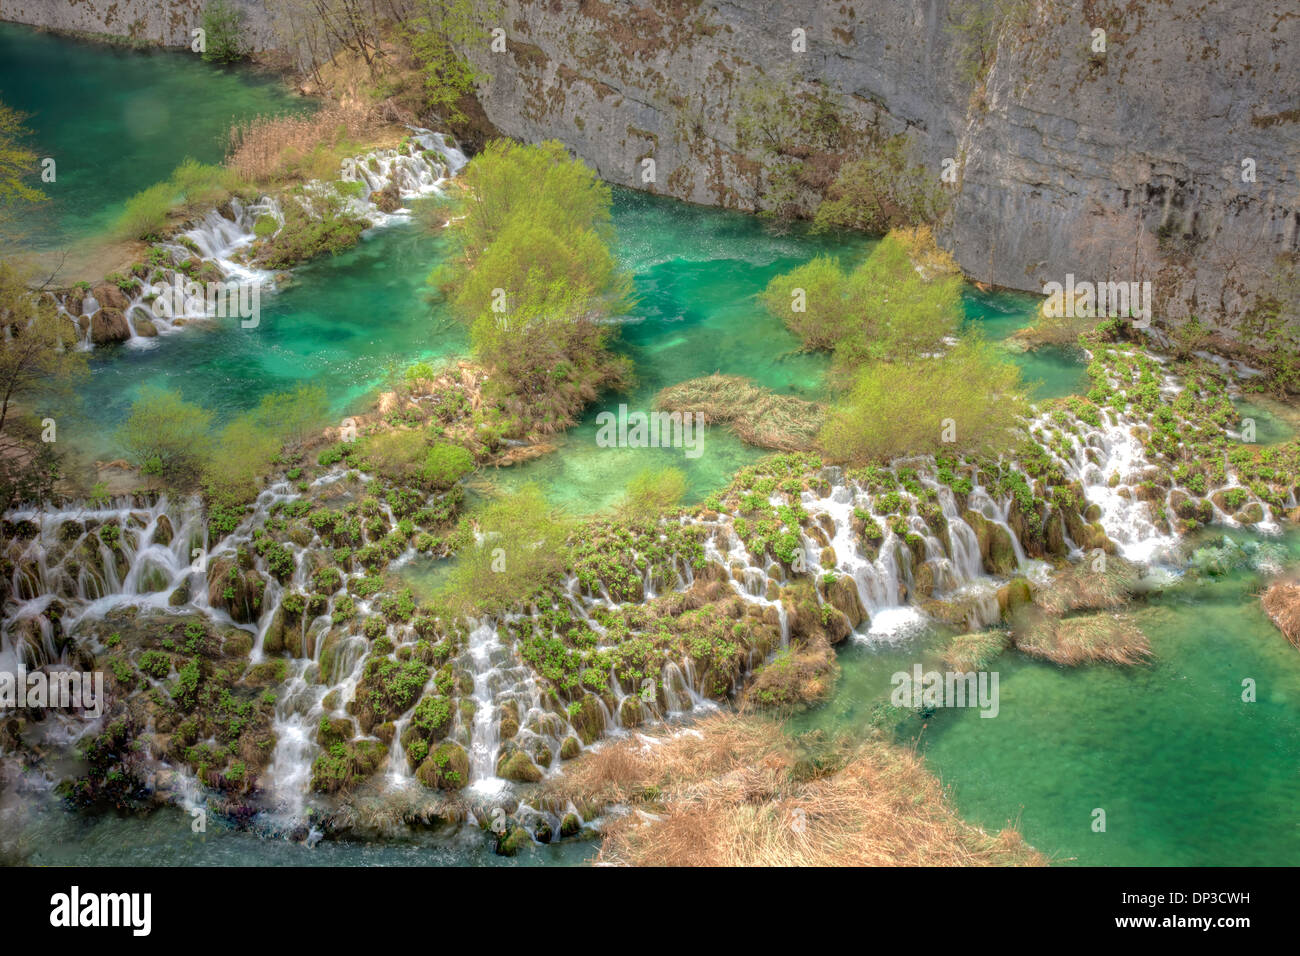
{"x": 801, "y": 675}
{"x": 1282, "y": 604}
{"x": 277, "y": 148}
{"x": 758, "y": 415}
{"x": 1079, "y": 588}
{"x": 975, "y": 652}
{"x": 737, "y": 791}
{"x": 1087, "y": 638}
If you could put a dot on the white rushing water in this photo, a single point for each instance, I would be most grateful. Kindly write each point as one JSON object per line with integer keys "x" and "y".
{"x": 149, "y": 562}
{"x": 222, "y": 239}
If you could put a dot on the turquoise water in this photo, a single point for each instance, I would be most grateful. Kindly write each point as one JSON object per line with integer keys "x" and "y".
{"x": 53, "y": 836}
{"x": 343, "y": 321}
{"x": 1187, "y": 773}
{"x": 340, "y": 323}
{"x": 116, "y": 120}
{"x": 1053, "y": 371}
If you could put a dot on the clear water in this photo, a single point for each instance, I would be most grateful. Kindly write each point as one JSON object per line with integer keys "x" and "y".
{"x": 49, "y": 835}
{"x": 117, "y": 120}
{"x": 1187, "y": 772}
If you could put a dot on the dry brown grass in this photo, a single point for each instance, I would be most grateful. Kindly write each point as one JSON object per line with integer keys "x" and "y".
{"x": 269, "y": 149}
{"x": 1282, "y": 604}
{"x": 793, "y": 679}
{"x": 758, "y": 415}
{"x": 1088, "y": 638}
{"x": 736, "y": 791}
{"x": 975, "y": 652}
{"x": 1079, "y": 588}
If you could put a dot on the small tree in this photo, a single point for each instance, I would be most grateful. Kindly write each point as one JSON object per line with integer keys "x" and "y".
{"x": 223, "y": 25}
{"x": 967, "y": 401}
{"x": 167, "y": 436}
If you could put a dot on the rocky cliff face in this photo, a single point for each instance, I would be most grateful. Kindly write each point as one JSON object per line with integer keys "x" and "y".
{"x": 159, "y": 22}
{"x": 1171, "y": 157}
{"x": 1122, "y": 165}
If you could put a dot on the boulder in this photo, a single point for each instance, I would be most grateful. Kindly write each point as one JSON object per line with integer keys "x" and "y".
{"x": 518, "y": 766}
{"x": 108, "y": 326}
{"x": 997, "y": 551}
{"x": 446, "y": 768}
{"x": 843, "y": 596}
{"x": 110, "y": 296}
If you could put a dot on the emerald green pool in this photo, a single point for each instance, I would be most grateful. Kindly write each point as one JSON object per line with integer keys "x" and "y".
{"x": 116, "y": 120}
{"x": 1187, "y": 772}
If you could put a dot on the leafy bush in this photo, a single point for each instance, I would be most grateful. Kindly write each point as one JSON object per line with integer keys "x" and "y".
{"x": 538, "y": 228}
{"x": 523, "y": 548}
{"x": 445, "y": 464}
{"x": 222, "y": 27}
{"x": 653, "y": 491}
{"x": 145, "y": 216}
{"x": 327, "y": 228}
{"x": 166, "y": 435}
{"x": 901, "y": 302}
{"x": 969, "y": 394}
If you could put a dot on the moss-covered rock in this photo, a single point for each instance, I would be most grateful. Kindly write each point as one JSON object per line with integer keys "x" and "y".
{"x": 446, "y": 767}
{"x": 843, "y": 595}
{"x": 997, "y": 551}
{"x": 587, "y": 718}
{"x": 518, "y": 766}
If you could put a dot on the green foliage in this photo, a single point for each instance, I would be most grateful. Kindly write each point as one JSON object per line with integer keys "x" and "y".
{"x": 37, "y": 360}
{"x": 797, "y": 139}
{"x": 881, "y": 191}
{"x": 167, "y": 436}
{"x": 17, "y": 163}
{"x": 523, "y": 549}
{"x": 156, "y": 664}
{"x": 436, "y": 31}
{"x": 654, "y": 491}
{"x": 445, "y": 464}
{"x": 905, "y": 408}
{"x": 885, "y": 309}
{"x": 193, "y": 186}
{"x": 1272, "y": 329}
{"x": 824, "y": 320}
{"x": 976, "y": 26}
{"x": 222, "y": 27}
{"x": 145, "y": 215}
{"x": 537, "y": 227}
{"x": 247, "y": 447}
{"x": 325, "y": 227}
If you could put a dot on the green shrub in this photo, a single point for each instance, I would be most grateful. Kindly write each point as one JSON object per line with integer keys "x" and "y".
{"x": 445, "y": 464}
{"x": 167, "y": 436}
{"x": 329, "y": 228}
{"x": 145, "y": 215}
{"x": 969, "y": 395}
{"x": 223, "y": 25}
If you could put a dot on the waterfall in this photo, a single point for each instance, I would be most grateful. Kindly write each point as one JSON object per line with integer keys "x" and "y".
{"x": 422, "y": 166}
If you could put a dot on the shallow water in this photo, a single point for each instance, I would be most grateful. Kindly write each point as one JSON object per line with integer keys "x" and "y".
{"x": 53, "y": 836}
